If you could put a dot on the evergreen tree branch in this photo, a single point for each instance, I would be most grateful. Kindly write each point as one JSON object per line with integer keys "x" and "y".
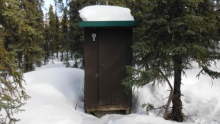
{"x": 211, "y": 73}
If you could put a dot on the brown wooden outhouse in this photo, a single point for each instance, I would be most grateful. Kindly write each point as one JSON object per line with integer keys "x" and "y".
{"x": 108, "y": 51}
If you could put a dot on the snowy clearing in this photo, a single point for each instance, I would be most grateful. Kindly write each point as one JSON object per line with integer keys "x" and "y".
{"x": 105, "y": 13}
{"x": 54, "y": 91}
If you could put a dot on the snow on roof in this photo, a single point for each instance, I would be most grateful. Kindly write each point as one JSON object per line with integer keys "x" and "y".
{"x": 105, "y": 13}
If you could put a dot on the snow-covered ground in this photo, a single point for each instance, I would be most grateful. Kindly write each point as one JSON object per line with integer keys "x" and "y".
{"x": 54, "y": 91}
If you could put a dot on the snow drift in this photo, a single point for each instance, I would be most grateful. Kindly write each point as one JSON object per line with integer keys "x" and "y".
{"x": 105, "y": 13}
{"x": 54, "y": 91}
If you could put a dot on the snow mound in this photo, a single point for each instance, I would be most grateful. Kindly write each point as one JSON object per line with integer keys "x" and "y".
{"x": 54, "y": 92}
{"x": 105, "y": 13}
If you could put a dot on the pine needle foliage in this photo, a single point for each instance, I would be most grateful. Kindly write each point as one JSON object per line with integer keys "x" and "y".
{"x": 20, "y": 34}
{"x": 75, "y": 32}
{"x": 173, "y": 34}
{"x": 11, "y": 90}
{"x": 24, "y": 26}
{"x": 52, "y": 41}
{"x": 31, "y": 34}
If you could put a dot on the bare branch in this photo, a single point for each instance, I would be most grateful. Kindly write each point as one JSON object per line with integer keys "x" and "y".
{"x": 170, "y": 96}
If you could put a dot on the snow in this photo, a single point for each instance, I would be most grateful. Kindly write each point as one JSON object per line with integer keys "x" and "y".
{"x": 54, "y": 91}
{"x": 105, "y": 13}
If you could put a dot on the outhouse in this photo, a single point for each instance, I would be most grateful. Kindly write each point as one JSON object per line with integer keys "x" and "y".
{"x": 107, "y": 49}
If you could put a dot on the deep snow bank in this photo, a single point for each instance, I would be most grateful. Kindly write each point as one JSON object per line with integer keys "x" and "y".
{"x": 201, "y": 97}
{"x": 54, "y": 91}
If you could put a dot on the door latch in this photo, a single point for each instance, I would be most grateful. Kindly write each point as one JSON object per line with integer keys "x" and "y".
{"x": 93, "y": 36}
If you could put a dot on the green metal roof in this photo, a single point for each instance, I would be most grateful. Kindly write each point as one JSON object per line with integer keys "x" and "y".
{"x": 107, "y": 23}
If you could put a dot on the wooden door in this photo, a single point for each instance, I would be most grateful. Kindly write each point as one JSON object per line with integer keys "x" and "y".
{"x": 112, "y": 60}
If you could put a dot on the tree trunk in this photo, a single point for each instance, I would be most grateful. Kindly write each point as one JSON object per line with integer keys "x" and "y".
{"x": 45, "y": 60}
{"x": 67, "y": 55}
{"x": 57, "y": 54}
{"x": 71, "y": 54}
{"x": 61, "y": 56}
{"x": 20, "y": 59}
{"x": 28, "y": 66}
{"x": 83, "y": 63}
{"x": 177, "y": 114}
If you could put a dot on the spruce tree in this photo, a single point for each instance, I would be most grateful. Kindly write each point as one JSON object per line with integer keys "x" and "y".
{"x": 12, "y": 94}
{"x": 52, "y": 31}
{"x": 57, "y": 36}
{"x": 173, "y": 35}
{"x": 64, "y": 36}
{"x": 11, "y": 90}
{"x": 63, "y": 32}
{"x": 121, "y": 3}
{"x": 46, "y": 44}
{"x": 76, "y": 33}
{"x": 30, "y": 34}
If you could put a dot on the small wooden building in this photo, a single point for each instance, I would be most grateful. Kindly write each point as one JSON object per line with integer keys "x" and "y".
{"x": 107, "y": 53}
